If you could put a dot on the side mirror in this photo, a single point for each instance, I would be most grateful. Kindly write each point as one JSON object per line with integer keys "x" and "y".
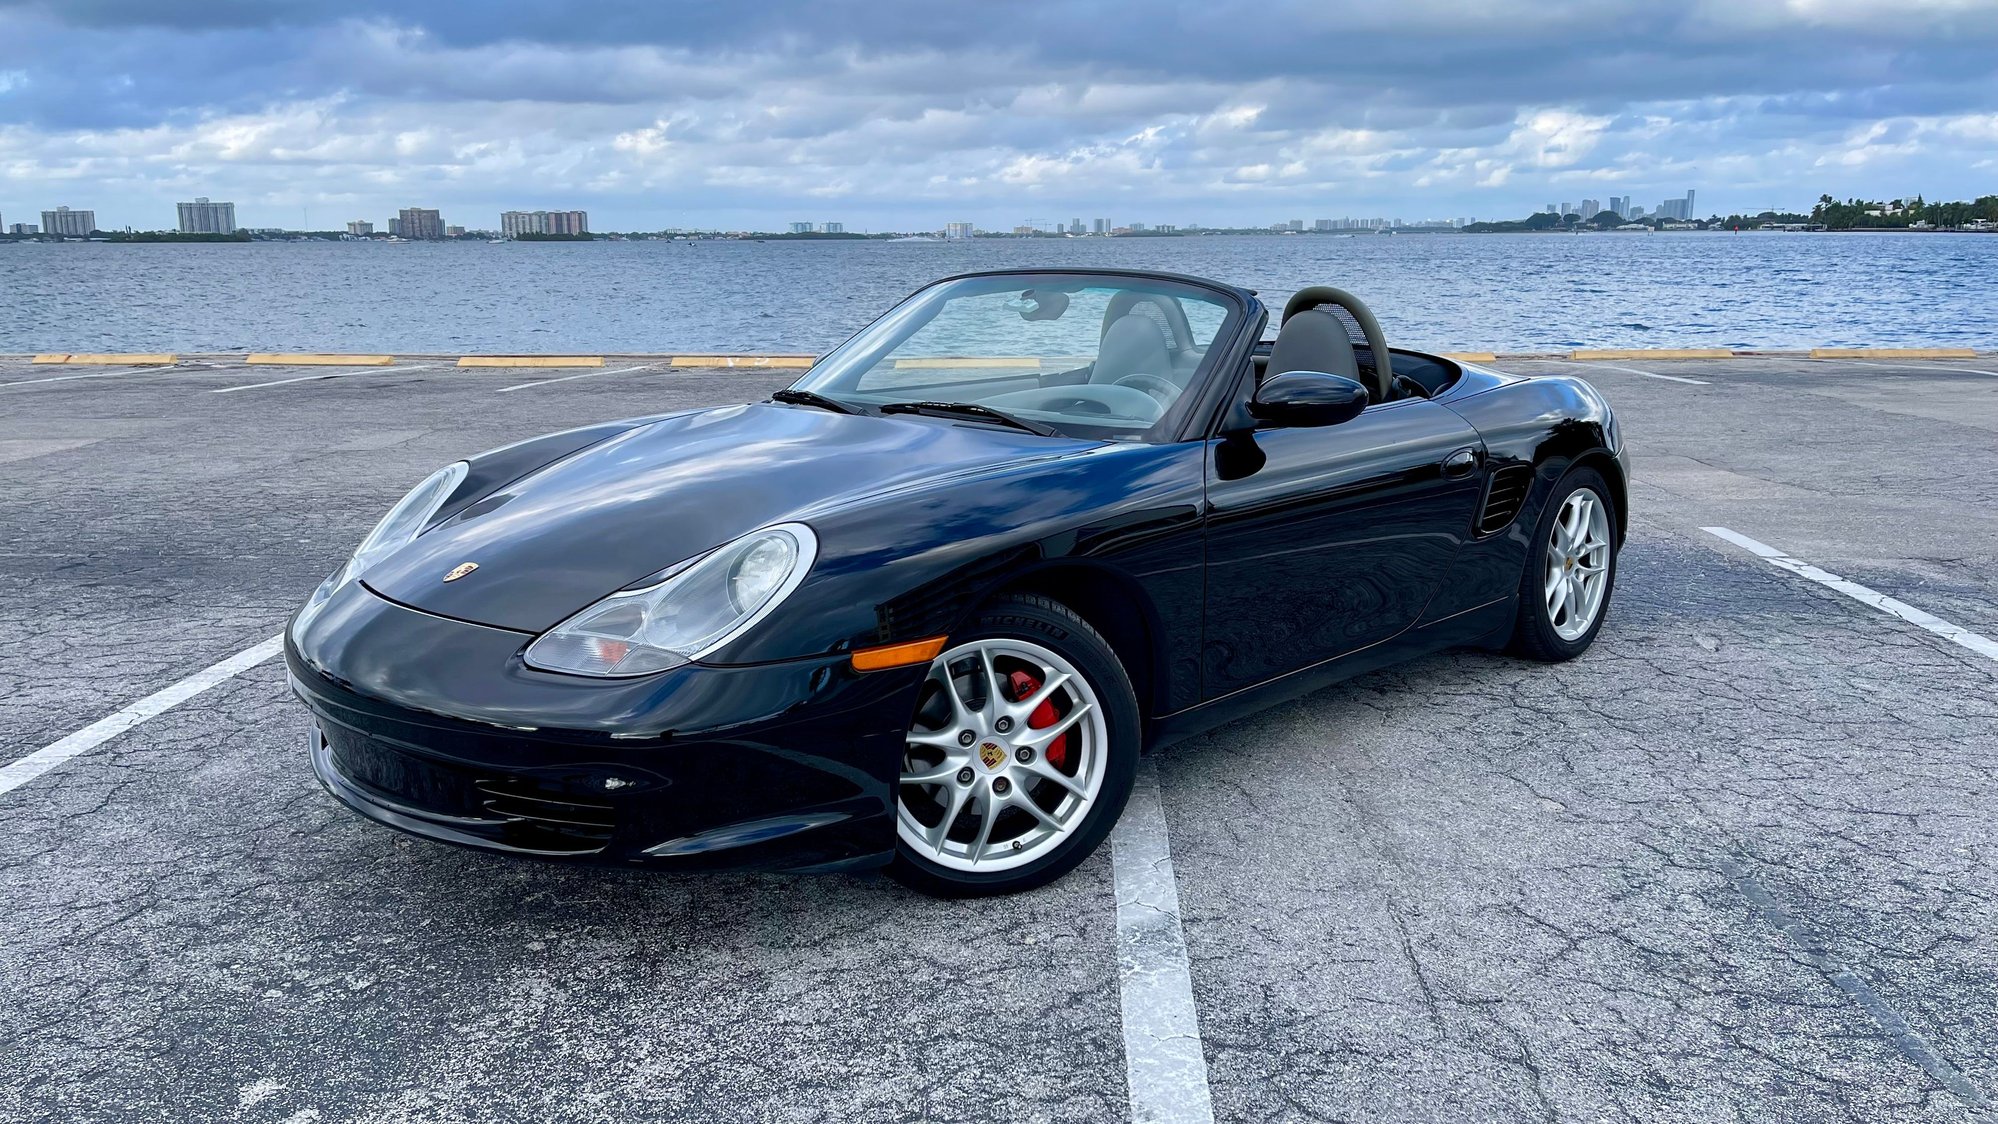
{"x": 1306, "y": 399}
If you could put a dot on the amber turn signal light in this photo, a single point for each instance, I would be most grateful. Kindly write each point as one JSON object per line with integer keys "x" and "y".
{"x": 898, "y": 655}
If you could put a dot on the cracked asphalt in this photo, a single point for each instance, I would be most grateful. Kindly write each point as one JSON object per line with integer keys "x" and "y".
{"x": 1740, "y": 862}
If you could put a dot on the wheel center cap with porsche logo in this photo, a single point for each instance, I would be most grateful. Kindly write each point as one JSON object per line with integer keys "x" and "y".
{"x": 460, "y": 570}
{"x": 992, "y": 754}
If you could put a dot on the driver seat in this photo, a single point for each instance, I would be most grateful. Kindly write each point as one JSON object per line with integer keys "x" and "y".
{"x": 1313, "y": 339}
{"x": 1132, "y": 345}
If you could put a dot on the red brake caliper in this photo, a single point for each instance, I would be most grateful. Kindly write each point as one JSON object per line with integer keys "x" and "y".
{"x": 1024, "y": 685}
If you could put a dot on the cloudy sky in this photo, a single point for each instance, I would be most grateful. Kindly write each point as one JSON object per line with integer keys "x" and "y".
{"x": 905, "y": 114}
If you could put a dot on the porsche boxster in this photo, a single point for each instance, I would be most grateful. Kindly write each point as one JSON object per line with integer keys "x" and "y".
{"x": 926, "y": 607}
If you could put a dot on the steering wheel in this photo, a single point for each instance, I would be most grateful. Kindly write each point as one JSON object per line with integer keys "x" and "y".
{"x": 1082, "y": 400}
{"x": 1159, "y": 387}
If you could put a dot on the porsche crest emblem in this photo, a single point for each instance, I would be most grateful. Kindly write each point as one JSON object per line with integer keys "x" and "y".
{"x": 460, "y": 570}
{"x": 992, "y": 753}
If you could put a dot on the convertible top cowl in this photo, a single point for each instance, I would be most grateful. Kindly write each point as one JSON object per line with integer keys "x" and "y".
{"x": 558, "y": 539}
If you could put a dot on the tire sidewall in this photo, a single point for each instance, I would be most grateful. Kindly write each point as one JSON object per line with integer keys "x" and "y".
{"x": 1050, "y": 624}
{"x": 1533, "y": 581}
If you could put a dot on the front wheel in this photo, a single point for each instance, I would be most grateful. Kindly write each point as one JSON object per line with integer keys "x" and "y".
{"x": 1020, "y": 757}
{"x": 1570, "y": 569}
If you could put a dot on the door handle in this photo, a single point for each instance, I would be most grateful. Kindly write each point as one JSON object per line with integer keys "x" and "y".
{"x": 1460, "y": 463}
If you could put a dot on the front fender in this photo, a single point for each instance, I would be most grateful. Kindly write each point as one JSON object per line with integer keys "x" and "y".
{"x": 916, "y": 562}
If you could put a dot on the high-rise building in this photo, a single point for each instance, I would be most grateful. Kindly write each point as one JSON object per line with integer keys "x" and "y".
{"x": 360, "y": 228}
{"x": 1619, "y": 203}
{"x": 1102, "y": 226}
{"x": 454, "y": 232}
{"x": 1138, "y": 226}
{"x": 1676, "y": 208}
{"x": 421, "y": 222}
{"x": 515, "y": 223}
{"x": 1590, "y": 208}
{"x": 1549, "y": 209}
{"x": 203, "y": 217}
{"x": 801, "y": 228}
{"x": 958, "y": 230}
{"x": 24, "y": 228}
{"x": 834, "y": 228}
{"x": 1294, "y": 224}
{"x": 1075, "y": 226}
{"x": 69, "y": 224}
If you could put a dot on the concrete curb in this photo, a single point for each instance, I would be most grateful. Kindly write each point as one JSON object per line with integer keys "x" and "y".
{"x": 1892, "y": 353}
{"x": 282, "y": 359}
{"x": 531, "y": 361}
{"x": 1652, "y": 353}
{"x": 742, "y": 360}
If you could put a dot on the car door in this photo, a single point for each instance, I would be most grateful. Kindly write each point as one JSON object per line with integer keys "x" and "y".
{"x": 1323, "y": 541}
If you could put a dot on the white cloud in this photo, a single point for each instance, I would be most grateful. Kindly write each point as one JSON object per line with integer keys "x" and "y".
{"x": 1484, "y": 110}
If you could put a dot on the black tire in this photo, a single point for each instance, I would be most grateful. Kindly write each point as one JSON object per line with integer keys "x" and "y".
{"x": 1055, "y": 626}
{"x": 1533, "y": 634}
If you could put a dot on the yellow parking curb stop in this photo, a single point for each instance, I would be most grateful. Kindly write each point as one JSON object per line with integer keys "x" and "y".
{"x": 531, "y": 361}
{"x": 108, "y": 359}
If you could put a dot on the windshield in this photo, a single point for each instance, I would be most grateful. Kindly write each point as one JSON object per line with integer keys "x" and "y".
{"x": 1096, "y": 357}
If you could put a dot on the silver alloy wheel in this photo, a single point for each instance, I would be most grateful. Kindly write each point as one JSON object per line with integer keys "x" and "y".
{"x": 1578, "y": 556}
{"x": 978, "y": 791}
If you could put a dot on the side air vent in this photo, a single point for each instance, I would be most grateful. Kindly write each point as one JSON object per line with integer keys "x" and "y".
{"x": 1503, "y": 495}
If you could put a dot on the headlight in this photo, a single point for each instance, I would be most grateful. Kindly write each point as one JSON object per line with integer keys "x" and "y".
{"x": 403, "y": 522}
{"x": 698, "y": 608}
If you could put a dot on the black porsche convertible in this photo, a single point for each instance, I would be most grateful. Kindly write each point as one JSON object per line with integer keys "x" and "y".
{"x": 926, "y": 607}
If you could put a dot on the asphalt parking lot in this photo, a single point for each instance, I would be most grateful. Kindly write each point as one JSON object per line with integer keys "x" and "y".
{"x": 1740, "y": 862}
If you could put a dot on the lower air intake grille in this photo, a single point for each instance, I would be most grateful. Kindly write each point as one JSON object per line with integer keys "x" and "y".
{"x": 558, "y": 813}
{"x": 1503, "y": 496}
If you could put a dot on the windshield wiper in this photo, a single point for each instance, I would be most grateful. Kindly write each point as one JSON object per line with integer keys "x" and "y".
{"x": 970, "y": 410}
{"x": 813, "y": 398}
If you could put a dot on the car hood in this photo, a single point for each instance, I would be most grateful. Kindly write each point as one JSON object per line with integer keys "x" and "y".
{"x": 572, "y": 532}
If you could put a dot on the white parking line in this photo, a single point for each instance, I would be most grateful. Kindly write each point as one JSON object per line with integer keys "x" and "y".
{"x": 1646, "y": 374}
{"x": 1163, "y": 1059}
{"x": 93, "y": 375}
{"x": 1932, "y": 367}
{"x": 17, "y": 773}
{"x": 326, "y": 375}
{"x": 567, "y": 378}
{"x": 1954, "y": 633}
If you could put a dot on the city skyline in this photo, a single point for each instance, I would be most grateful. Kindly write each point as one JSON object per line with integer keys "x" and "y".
{"x": 202, "y": 216}
{"x": 900, "y": 115}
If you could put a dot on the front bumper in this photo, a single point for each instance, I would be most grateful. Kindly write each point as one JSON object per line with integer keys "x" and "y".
{"x": 435, "y": 727}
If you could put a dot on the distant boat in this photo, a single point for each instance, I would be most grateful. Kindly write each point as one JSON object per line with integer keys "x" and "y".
{"x": 495, "y": 241}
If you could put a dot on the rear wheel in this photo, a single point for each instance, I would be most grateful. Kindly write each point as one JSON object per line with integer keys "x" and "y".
{"x": 1020, "y": 757}
{"x": 1564, "y": 594}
